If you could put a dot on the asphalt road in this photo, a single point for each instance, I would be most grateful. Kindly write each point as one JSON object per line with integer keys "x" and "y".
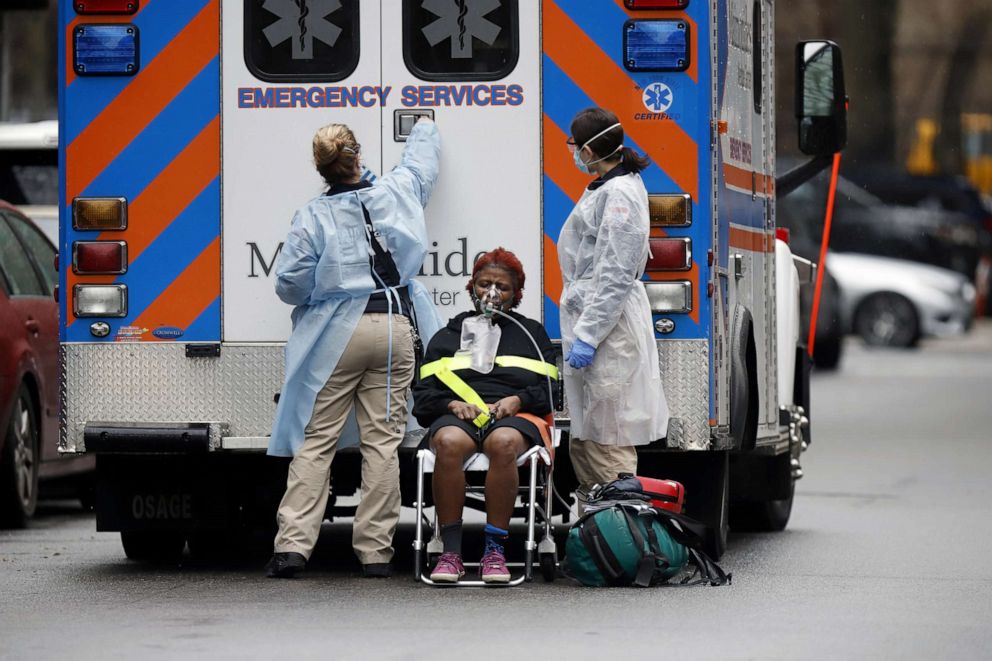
{"x": 885, "y": 558}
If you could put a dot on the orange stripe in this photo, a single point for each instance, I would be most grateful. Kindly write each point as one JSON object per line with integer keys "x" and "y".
{"x": 163, "y": 200}
{"x": 172, "y": 190}
{"x": 741, "y": 178}
{"x": 694, "y": 37}
{"x": 70, "y": 75}
{"x": 188, "y": 295}
{"x": 559, "y": 164}
{"x": 582, "y": 60}
{"x": 552, "y": 270}
{"x": 692, "y": 275}
{"x": 753, "y": 240}
{"x": 144, "y": 98}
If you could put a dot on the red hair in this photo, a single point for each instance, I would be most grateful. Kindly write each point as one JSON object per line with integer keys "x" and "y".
{"x": 502, "y": 259}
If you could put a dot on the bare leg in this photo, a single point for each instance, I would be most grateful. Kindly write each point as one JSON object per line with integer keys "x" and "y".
{"x": 451, "y": 445}
{"x": 502, "y": 446}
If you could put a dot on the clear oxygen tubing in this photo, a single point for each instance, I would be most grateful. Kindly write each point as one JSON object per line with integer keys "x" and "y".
{"x": 489, "y": 310}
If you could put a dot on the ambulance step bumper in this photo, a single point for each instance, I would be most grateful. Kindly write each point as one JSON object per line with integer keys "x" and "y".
{"x": 191, "y": 438}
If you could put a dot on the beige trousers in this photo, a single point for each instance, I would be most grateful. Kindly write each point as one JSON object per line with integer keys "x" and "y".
{"x": 598, "y": 464}
{"x": 360, "y": 379}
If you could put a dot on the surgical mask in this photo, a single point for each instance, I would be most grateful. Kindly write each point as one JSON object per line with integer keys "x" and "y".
{"x": 577, "y": 155}
{"x": 480, "y": 341}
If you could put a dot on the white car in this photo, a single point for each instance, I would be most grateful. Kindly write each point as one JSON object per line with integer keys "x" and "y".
{"x": 895, "y": 302}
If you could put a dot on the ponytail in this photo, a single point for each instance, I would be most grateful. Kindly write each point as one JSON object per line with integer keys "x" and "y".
{"x": 634, "y": 162}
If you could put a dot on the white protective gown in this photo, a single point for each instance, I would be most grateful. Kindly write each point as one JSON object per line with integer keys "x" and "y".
{"x": 323, "y": 269}
{"x": 602, "y": 249}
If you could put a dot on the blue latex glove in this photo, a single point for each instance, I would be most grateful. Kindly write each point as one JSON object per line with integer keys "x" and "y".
{"x": 581, "y": 354}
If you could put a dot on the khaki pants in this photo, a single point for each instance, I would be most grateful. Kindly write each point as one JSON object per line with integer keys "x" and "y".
{"x": 598, "y": 464}
{"x": 360, "y": 379}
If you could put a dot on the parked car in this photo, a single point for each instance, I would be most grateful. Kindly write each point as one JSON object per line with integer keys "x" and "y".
{"x": 895, "y": 302}
{"x": 946, "y": 193}
{"x": 865, "y": 224}
{"x": 29, "y": 172}
{"x": 29, "y": 346}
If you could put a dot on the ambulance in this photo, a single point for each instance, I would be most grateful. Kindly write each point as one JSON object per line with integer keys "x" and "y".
{"x": 186, "y": 128}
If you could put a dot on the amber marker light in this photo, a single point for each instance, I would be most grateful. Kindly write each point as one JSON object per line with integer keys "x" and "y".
{"x": 98, "y": 214}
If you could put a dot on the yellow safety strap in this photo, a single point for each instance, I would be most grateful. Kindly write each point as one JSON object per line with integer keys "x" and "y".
{"x": 465, "y": 362}
{"x": 467, "y": 394}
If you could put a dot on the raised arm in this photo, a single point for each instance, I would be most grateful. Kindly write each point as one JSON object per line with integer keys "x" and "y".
{"x": 419, "y": 166}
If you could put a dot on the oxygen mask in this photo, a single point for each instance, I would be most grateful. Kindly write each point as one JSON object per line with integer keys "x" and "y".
{"x": 490, "y": 301}
{"x": 480, "y": 336}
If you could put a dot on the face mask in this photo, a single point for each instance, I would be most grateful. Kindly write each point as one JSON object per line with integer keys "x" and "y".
{"x": 582, "y": 165}
{"x": 488, "y": 302}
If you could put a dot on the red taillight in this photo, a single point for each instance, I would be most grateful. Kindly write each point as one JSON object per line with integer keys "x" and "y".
{"x": 105, "y": 6}
{"x": 99, "y": 257}
{"x": 656, "y": 4}
{"x": 671, "y": 254}
{"x": 782, "y": 234}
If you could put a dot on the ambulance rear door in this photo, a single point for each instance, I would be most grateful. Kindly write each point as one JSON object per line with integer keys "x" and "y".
{"x": 475, "y": 64}
{"x": 289, "y": 67}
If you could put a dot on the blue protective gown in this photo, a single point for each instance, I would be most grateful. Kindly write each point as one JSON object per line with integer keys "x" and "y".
{"x": 323, "y": 270}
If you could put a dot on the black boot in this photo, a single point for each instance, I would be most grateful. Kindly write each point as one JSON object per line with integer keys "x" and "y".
{"x": 285, "y": 565}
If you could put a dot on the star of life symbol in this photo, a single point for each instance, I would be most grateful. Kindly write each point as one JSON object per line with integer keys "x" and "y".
{"x": 657, "y": 97}
{"x": 302, "y": 21}
{"x": 460, "y": 20}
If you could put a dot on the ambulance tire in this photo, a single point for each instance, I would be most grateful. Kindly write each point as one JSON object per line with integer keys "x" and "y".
{"x": 716, "y": 514}
{"x": 19, "y": 462}
{"x": 153, "y": 546}
{"x": 767, "y": 516}
{"x": 743, "y": 382}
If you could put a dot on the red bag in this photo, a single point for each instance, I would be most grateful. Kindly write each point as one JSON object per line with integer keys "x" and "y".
{"x": 665, "y": 494}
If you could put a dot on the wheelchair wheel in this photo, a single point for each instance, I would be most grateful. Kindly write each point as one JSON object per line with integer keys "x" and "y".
{"x": 549, "y": 567}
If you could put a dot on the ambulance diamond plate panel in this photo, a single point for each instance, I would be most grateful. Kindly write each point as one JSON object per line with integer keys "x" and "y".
{"x": 131, "y": 382}
{"x": 685, "y": 376}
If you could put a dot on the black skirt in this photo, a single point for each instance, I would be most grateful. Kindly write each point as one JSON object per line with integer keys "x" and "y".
{"x": 531, "y": 434}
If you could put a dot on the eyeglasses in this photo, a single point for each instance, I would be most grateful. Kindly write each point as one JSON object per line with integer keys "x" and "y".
{"x": 571, "y": 144}
{"x": 357, "y": 149}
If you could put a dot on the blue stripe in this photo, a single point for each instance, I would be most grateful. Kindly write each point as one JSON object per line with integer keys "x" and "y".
{"x": 206, "y": 327}
{"x": 563, "y": 98}
{"x": 557, "y": 207}
{"x": 552, "y": 322}
{"x": 172, "y": 252}
{"x": 162, "y": 140}
{"x": 158, "y": 24}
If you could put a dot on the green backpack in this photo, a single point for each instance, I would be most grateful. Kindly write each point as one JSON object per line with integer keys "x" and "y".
{"x": 631, "y": 543}
{"x": 622, "y": 545}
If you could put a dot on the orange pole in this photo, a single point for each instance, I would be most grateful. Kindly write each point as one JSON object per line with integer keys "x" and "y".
{"x": 821, "y": 265}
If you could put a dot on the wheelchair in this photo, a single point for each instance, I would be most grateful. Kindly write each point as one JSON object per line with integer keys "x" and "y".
{"x": 535, "y": 496}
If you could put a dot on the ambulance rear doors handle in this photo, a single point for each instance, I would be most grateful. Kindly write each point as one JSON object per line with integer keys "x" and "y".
{"x": 403, "y": 121}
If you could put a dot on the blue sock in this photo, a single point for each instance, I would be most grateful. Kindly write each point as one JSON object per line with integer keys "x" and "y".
{"x": 495, "y": 538}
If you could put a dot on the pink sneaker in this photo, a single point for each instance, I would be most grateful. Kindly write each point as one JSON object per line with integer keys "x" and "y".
{"x": 449, "y": 568}
{"x": 493, "y": 568}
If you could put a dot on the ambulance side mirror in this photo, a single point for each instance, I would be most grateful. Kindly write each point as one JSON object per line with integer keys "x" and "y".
{"x": 821, "y": 102}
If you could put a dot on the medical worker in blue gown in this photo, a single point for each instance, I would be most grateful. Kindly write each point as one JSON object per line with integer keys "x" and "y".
{"x": 347, "y": 266}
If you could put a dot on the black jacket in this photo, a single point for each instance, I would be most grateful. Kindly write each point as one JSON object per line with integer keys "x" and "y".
{"x": 431, "y": 397}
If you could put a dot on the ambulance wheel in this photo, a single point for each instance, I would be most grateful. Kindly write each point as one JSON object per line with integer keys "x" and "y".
{"x": 549, "y": 567}
{"x": 157, "y": 547}
{"x": 19, "y": 463}
{"x": 768, "y": 516}
{"x": 717, "y": 513}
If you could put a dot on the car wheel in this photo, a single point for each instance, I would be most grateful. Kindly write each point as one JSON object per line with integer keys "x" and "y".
{"x": 887, "y": 320}
{"x": 19, "y": 464}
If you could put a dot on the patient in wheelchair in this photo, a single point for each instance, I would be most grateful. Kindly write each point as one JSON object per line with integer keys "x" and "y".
{"x": 484, "y": 388}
